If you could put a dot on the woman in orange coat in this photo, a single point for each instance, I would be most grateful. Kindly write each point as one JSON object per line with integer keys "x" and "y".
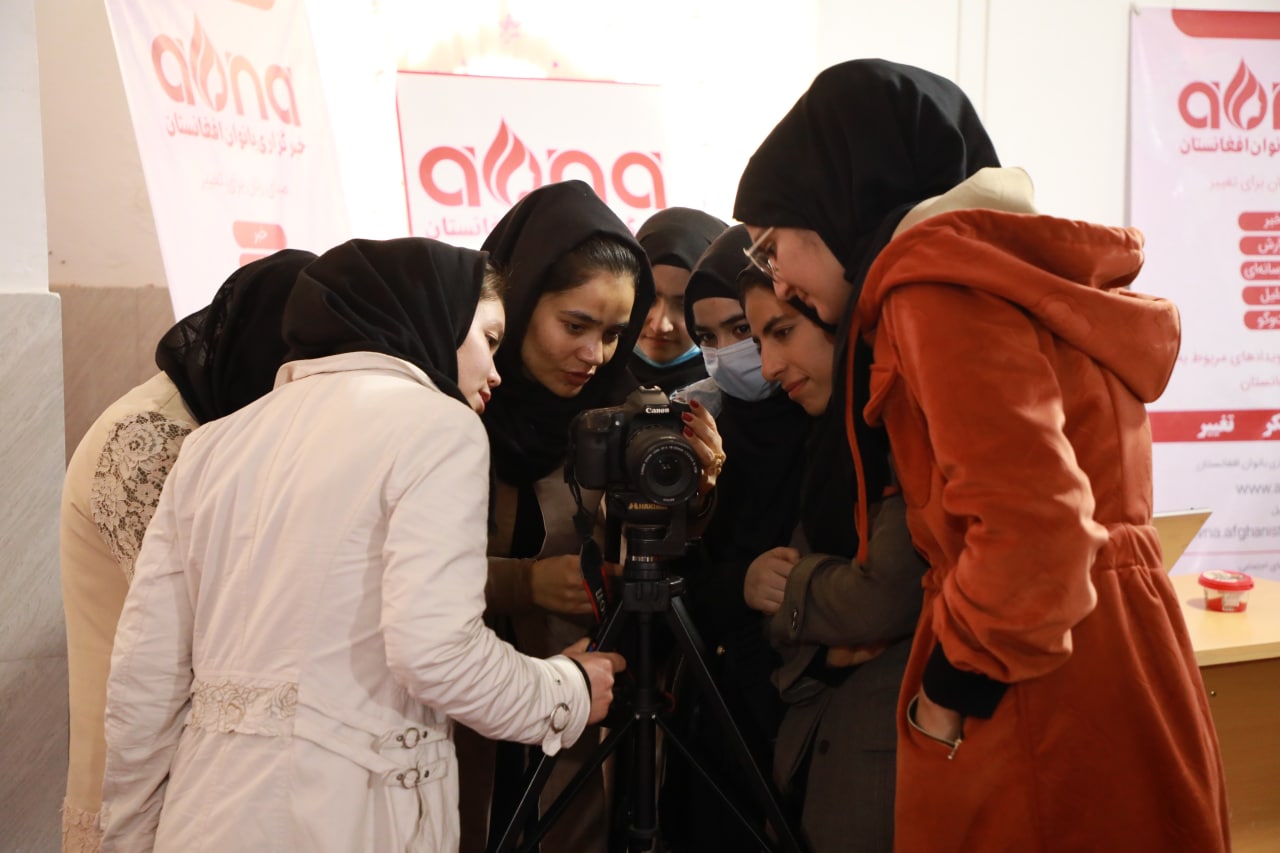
{"x": 1052, "y": 701}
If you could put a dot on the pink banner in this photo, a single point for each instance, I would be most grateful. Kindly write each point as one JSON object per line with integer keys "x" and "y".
{"x": 233, "y": 134}
{"x": 473, "y": 146}
{"x": 1204, "y": 186}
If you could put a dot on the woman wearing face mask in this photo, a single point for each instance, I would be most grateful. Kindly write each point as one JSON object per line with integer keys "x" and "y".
{"x": 579, "y": 289}
{"x": 841, "y": 623}
{"x": 305, "y": 620}
{"x": 1052, "y": 699}
{"x": 764, "y": 441}
{"x": 673, "y": 240}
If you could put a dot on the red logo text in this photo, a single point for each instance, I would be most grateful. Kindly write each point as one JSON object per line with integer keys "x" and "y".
{"x": 509, "y": 170}
{"x": 1243, "y": 104}
{"x": 200, "y": 72}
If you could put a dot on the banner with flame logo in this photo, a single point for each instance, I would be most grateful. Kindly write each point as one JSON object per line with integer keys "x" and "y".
{"x": 1204, "y": 186}
{"x": 233, "y": 134}
{"x": 474, "y": 146}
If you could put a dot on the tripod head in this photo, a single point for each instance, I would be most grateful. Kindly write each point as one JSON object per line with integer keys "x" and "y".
{"x": 653, "y": 534}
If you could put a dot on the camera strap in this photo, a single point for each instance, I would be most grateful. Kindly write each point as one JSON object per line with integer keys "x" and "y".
{"x": 592, "y": 562}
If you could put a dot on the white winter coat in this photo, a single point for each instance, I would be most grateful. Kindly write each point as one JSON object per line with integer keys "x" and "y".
{"x": 305, "y": 621}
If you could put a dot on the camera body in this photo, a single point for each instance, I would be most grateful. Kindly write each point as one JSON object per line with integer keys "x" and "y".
{"x": 636, "y": 451}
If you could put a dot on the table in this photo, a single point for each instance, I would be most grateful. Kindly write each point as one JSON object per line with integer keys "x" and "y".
{"x": 1239, "y": 658}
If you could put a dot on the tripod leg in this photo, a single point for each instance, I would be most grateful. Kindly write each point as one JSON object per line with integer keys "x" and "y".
{"x": 527, "y": 806}
{"x": 561, "y": 804}
{"x": 672, "y": 739}
{"x": 642, "y": 829}
{"x": 691, "y": 644}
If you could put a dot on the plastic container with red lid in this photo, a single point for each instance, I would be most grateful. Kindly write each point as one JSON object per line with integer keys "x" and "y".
{"x": 1226, "y": 591}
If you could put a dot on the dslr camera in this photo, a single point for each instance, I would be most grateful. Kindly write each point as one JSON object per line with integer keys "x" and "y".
{"x": 636, "y": 453}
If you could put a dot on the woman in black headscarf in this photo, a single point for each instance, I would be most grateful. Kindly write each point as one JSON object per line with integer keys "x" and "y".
{"x": 226, "y": 355}
{"x": 308, "y": 601}
{"x": 580, "y": 287}
{"x": 759, "y": 490}
{"x": 673, "y": 239}
{"x": 218, "y": 359}
{"x": 841, "y": 626}
{"x": 1011, "y": 368}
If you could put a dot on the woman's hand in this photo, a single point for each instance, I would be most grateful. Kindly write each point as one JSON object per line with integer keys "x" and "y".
{"x": 557, "y": 585}
{"x": 700, "y": 429}
{"x": 936, "y": 720}
{"x": 599, "y": 667}
{"x": 766, "y": 581}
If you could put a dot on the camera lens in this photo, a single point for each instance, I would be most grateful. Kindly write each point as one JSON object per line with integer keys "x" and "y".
{"x": 662, "y": 466}
{"x": 666, "y": 469}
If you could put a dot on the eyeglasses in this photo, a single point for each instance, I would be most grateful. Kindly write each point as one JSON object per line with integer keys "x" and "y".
{"x": 759, "y": 257}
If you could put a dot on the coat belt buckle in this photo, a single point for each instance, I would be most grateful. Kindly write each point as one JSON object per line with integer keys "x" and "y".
{"x": 409, "y": 738}
{"x": 411, "y": 777}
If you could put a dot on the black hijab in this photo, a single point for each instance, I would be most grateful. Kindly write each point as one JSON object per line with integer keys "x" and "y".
{"x": 412, "y": 298}
{"x": 869, "y": 140}
{"x": 830, "y": 488}
{"x": 677, "y": 236}
{"x": 865, "y": 143}
{"x": 716, "y": 272}
{"x": 764, "y": 440}
{"x": 226, "y": 355}
{"x": 528, "y": 424}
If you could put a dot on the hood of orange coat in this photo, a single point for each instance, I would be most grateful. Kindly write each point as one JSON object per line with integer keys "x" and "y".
{"x": 1070, "y": 276}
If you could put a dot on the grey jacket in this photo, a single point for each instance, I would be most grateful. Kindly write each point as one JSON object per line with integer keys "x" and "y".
{"x": 837, "y": 742}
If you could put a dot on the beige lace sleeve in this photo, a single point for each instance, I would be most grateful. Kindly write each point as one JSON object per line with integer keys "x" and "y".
{"x": 133, "y": 465}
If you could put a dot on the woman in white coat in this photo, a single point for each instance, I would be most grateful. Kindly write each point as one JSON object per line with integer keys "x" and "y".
{"x": 305, "y": 618}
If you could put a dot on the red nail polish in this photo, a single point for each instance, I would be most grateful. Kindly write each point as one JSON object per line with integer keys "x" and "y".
{"x": 688, "y": 432}
{"x": 687, "y": 418}
{"x": 694, "y": 404}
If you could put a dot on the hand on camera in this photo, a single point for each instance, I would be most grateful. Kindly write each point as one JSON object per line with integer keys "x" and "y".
{"x": 556, "y": 585}
{"x": 766, "y": 581}
{"x": 700, "y": 429}
{"x": 600, "y": 668}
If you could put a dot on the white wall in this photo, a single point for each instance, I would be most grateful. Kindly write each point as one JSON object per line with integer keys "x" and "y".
{"x": 101, "y": 230}
{"x": 23, "y": 265}
{"x": 1048, "y": 76}
{"x": 728, "y": 70}
{"x": 33, "y": 656}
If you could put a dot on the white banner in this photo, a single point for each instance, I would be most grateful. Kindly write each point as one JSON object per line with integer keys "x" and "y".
{"x": 233, "y": 134}
{"x": 1204, "y": 186}
{"x": 473, "y": 146}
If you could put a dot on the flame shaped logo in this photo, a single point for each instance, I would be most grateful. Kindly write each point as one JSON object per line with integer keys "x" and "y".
{"x": 204, "y": 61}
{"x": 1244, "y": 102}
{"x": 506, "y": 154}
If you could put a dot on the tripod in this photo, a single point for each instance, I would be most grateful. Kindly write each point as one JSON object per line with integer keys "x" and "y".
{"x": 649, "y": 594}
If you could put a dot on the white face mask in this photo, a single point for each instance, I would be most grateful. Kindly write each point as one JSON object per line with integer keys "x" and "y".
{"x": 736, "y": 369}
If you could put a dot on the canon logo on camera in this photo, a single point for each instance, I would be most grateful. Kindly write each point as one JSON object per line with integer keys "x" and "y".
{"x": 511, "y": 170}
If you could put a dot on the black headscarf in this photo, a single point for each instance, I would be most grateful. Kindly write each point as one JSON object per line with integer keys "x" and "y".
{"x": 677, "y": 236}
{"x": 528, "y": 424}
{"x": 412, "y": 298}
{"x": 830, "y": 488}
{"x": 716, "y": 272}
{"x": 869, "y": 140}
{"x": 763, "y": 439}
{"x": 865, "y": 143}
{"x": 226, "y": 355}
